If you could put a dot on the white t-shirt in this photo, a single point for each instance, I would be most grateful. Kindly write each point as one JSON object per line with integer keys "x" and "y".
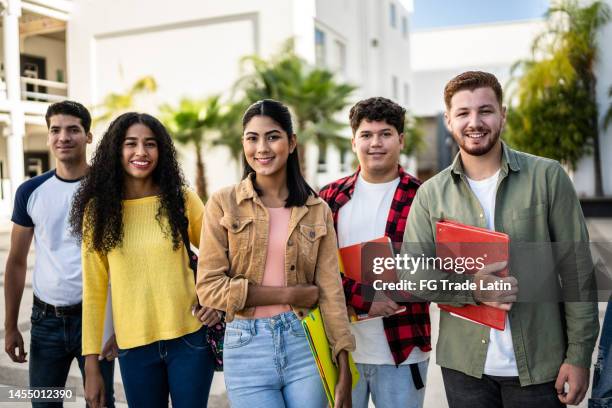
{"x": 500, "y": 353}
{"x": 44, "y": 202}
{"x": 361, "y": 219}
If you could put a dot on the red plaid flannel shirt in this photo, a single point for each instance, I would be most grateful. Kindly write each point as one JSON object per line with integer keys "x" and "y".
{"x": 411, "y": 328}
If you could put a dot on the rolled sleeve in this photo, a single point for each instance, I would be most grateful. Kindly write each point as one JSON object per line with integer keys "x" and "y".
{"x": 331, "y": 293}
{"x": 214, "y": 287}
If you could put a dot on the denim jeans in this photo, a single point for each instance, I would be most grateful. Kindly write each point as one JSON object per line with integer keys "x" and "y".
{"x": 390, "y": 386}
{"x": 181, "y": 368}
{"x": 268, "y": 363}
{"x": 55, "y": 342}
{"x": 601, "y": 397}
{"x": 464, "y": 391}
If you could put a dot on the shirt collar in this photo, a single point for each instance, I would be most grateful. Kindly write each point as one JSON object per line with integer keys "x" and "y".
{"x": 509, "y": 161}
{"x": 245, "y": 191}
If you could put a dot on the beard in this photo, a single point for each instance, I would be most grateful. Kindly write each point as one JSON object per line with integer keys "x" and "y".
{"x": 482, "y": 148}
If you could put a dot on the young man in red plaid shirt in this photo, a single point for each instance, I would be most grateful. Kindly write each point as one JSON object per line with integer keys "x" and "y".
{"x": 392, "y": 351}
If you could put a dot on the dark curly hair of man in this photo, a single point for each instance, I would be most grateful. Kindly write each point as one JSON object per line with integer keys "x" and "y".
{"x": 97, "y": 210}
{"x": 378, "y": 109}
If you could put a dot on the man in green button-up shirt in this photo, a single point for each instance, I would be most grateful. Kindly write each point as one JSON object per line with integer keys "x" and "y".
{"x": 542, "y": 359}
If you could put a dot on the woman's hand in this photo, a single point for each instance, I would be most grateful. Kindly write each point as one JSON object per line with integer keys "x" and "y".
{"x": 110, "y": 351}
{"x": 94, "y": 383}
{"x": 303, "y": 295}
{"x": 207, "y": 315}
{"x": 342, "y": 397}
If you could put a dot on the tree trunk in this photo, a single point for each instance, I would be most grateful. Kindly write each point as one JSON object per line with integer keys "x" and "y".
{"x": 595, "y": 136}
{"x": 201, "y": 187}
{"x": 302, "y": 150}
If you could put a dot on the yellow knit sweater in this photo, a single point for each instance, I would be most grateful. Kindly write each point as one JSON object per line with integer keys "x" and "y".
{"x": 152, "y": 285}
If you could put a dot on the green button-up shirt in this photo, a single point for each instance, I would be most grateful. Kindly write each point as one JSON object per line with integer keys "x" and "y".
{"x": 535, "y": 202}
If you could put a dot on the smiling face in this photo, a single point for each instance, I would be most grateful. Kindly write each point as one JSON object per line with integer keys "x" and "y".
{"x": 139, "y": 153}
{"x": 67, "y": 138}
{"x": 475, "y": 119}
{"x": 378, "y": 146}
{"x": 266, "y": 146}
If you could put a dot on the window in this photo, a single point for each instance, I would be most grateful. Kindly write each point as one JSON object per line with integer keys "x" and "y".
{"x": 392, "y": 15}
{"x": 394, "y": 87}
{"x": 405, "y": 26}
{"x": 340, "y": 51}
{"x": 319, "y": 47}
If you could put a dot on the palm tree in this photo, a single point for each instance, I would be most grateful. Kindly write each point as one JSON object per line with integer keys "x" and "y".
{"x": 557, "y": 111}
{"x": 230, "y": 128}
{"x": 191, "y": 123}
{"x": 608, "y": 116}
{"x": 114, "y": 104}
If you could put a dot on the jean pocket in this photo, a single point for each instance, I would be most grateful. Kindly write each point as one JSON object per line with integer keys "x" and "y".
{"x": 296, "y": 328}
{"x": 122, "y": 352}
{"x": 196, "y": 340}
{"x": 236, "y": 337}
{"x": 37, "y": 315}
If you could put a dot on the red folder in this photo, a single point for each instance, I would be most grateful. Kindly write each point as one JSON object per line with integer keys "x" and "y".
{"x": 353, "y": 257}
{"x": 454, "y": 240}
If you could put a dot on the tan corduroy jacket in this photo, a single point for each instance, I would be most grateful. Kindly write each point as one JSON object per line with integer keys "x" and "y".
{"x": 233, "y": 254}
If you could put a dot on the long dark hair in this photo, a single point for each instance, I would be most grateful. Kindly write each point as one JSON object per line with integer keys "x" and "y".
{"x": 299, "y": 190}
{"x": 97, "y": 210}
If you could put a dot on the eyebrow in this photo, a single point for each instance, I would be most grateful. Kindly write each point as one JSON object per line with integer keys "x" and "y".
{"x": 147, "y": 139}
{"x": 55, "y": 127}
{"x": 267, "y": 133}
{"x": 464, "y": 108}
{"x": 381, "y": 130}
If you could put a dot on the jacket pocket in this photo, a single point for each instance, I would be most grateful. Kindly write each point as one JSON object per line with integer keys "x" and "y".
{"x": 310, "y": 236}
{"x": 238, "y": 232}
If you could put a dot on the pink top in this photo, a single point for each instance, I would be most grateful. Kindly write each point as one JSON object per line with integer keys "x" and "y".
{"x": 274, "y": 271}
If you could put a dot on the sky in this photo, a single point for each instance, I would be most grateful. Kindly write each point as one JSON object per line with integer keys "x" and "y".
{"x": 447, "y": 13}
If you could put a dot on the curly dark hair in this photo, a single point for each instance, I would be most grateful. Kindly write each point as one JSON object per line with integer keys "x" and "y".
{"x": 378, "y": 109}
{"x": 97, "y": 210}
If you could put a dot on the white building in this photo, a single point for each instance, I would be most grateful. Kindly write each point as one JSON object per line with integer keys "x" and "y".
{"x": 440, "y": 54}
{"x": 194, "y": 47}
{"x": 85, "y": 49}
{"x": 32, "y": 73}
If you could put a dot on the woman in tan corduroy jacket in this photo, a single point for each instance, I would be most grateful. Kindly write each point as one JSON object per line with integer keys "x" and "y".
{"x": 267, "y": 254}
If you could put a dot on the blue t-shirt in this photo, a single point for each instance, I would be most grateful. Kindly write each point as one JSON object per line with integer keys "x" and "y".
{"x": 43, "y": 203}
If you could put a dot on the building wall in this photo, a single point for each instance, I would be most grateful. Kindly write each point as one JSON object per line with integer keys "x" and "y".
{"x": 180, "y": 46}
{"x": 192, "y": 48}
{"x": 583, "y": 177}
{"x": 54, "y": 52}
{"x": 438, "y": 55}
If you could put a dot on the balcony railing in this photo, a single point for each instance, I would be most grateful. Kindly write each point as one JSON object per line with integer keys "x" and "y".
{"x": 43, "y": 90}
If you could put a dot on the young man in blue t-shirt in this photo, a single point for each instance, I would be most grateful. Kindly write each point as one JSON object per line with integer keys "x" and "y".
{"x": 41, "y": 210}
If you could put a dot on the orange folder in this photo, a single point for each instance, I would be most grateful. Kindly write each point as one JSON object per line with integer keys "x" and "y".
{"x": 352, "y": 258}
{"x": 356, "y": 262}
{"x": 455, "y": 240}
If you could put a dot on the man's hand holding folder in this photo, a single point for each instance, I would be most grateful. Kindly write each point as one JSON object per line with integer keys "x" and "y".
{"x": 500, "y": 299}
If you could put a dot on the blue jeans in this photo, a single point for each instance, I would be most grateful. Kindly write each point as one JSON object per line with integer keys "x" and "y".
{"x": 181, "y": 368}
{"x": 55, "y": 342}
{"x": 601, "y": 396}
{"x": 268, "y": 363}
{"x": 389, "y": 385}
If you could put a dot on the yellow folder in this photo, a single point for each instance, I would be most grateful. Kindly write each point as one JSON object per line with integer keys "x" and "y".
{"x": 321, "y": 351}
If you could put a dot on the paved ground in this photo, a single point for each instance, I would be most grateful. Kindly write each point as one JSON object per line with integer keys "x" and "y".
{"x": 16, "y": 374}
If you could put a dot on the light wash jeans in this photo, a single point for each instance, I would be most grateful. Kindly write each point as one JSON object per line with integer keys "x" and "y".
{"x": 267, "y": 363}
{"x": 601, "y": 396}
{"x": 389, "y": 385}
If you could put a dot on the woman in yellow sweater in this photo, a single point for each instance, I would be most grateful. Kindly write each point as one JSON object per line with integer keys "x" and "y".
{"x": 268, "y": 253}
{"x": 132, "y": 212}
